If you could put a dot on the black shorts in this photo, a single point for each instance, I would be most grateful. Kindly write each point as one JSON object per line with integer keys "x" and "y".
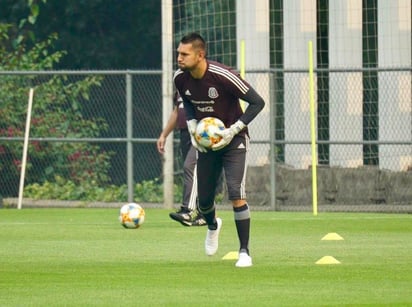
{"x": 233, "y": 160}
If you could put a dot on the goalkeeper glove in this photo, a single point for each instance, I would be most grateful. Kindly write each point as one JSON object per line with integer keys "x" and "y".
{"x": 191, "y": 126}
{"x": 228, "y": 134}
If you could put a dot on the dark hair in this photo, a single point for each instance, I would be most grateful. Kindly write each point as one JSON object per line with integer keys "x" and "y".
{"x": 195, "y": 39}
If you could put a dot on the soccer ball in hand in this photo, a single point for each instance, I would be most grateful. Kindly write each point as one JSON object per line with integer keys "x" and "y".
{"x": 131, "y": 216}
{"x": 206, "y": 131}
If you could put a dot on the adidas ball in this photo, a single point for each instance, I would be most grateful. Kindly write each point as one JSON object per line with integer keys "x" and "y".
{"x": 206, "y": 131}
{"x": 131, "y": 216}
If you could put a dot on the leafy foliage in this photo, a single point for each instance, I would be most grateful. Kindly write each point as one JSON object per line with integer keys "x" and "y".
{"x": 56, "y": 113}
{"x": 98, "y": 34}
{"x": 62, "y": 189}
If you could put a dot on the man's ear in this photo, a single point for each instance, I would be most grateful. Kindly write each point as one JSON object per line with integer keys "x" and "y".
{"x": 202, "y": 54}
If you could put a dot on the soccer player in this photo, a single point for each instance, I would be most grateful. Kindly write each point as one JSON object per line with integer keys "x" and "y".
{"x": 210, "y": 88}
{"x": 188, "y": 214}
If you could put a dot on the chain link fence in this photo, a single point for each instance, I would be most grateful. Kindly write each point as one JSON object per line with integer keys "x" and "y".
{"x": 80, "y": 136}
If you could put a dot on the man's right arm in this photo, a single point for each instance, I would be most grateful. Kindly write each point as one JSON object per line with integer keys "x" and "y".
{"x": 170, "y": 126}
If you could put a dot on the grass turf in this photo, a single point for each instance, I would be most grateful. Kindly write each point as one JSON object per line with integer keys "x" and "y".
{"x": 83, "y": 257}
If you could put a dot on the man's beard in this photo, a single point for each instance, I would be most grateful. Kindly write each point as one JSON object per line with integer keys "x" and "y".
{"x": 183, "y": 68}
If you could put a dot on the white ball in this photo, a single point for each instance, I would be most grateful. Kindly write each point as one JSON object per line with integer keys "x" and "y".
{"x": 131, "y": 216}
{"x": 206, "y": 131}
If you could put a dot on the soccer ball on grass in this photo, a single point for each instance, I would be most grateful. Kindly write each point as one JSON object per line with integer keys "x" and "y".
{"x": 131, "y": 216}
{"x": 206, "y": 131}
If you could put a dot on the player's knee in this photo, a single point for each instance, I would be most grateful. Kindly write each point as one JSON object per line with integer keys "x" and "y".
{"x": 206, "y": 208}
{"x": 238, "y": 202}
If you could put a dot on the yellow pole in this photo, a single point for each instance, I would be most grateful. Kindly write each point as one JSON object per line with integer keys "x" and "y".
{"x": 242, "y": 68}
{"x": 313, "y": 132}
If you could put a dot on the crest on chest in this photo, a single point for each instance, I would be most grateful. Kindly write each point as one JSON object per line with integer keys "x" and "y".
{"x": 212, "y": 93}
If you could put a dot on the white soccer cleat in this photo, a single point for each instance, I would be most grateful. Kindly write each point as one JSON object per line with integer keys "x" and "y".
{"x": 212, "y": 239}
{"x": 244, "y": 261}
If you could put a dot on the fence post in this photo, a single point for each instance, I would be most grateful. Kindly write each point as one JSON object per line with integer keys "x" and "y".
{"x": 272, "y": 136}
{"x": 167, "y": 97}
{"x": 129, "y": 136}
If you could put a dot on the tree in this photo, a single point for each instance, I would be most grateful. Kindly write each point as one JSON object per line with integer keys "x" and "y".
{"x": 56, "y": 113}
{"x": 97, "y": 34}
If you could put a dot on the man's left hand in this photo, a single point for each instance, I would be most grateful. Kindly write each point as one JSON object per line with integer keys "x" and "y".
{"x": 228, "y": 134}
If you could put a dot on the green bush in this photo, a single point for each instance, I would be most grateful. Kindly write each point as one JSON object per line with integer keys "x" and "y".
{"x": 57, "y": 112}
{"x": 63, "y": 189}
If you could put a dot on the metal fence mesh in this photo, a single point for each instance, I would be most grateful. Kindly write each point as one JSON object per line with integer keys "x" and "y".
{"x": 79, "y": 132}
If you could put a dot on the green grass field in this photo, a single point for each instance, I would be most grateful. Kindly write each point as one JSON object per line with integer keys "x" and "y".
{"x": 83, "y": 257}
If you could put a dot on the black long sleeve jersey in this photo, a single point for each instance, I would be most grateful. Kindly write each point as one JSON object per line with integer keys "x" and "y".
{"x": 217, "y": 94}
